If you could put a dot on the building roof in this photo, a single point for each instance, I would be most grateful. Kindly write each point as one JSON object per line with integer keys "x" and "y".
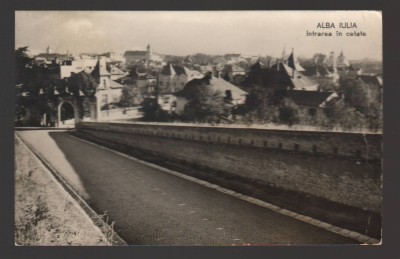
{"x": 168, "y": 70}
{"x": 235, "y": 68}
{"x": 115, "y": 85}
{"x": 222, "y": 85}
{"x": 232, "y": 55}
{"x": 294, "y": 63}
{"x": 50, "y": 56}
{"x": 99, "y": 70}
{"x": 178, "y": 70}
{"x": 372, "y": 79}
{"x": 115, "y": 71}
{"x": 135, "y": 53}
{"x": 127, "y": 80}
{"x": 216, "y": 83}
{"x": 188, "y": 59}
{"x": 298, "y": 80}
{"x": 312, "y": 98}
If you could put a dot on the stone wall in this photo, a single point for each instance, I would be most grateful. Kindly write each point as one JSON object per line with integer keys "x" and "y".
{"x": 341, "y": 167}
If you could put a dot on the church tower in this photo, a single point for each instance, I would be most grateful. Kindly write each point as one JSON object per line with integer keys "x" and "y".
{"x": 149, "y": 52}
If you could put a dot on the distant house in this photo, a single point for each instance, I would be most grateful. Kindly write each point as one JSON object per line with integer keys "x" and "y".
{"x": 284, "y": 75}
{"x": 313, "y": 103}
{"x": 232, "y": 94}
{"x": 173, "y": 78}
{"x": 339, "y": 65}
{"x": 115, "y": 72}
{"x": 109, "y": 91}
{"x": 233, "y": 70}
{"x": 147, "y": 56}
{"x": 322, "y": 74}
{"x": 234, "y": 58}
{"x": 51, "y": 58}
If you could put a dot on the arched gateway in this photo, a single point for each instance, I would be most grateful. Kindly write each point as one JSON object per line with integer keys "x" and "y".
{"x": 71, "y": 110}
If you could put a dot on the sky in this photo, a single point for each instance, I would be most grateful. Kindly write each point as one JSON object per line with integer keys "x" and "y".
{"x": 182, "y": 33}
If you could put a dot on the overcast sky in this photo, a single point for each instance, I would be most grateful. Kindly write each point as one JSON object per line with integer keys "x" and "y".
{"x": 182, "y": 32}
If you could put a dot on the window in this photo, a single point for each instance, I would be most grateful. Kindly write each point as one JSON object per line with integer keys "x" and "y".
{"x": 104, "y": 83}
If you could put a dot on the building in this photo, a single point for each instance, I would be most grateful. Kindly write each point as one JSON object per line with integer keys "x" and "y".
{"x": 312, "y": 104}
{"x": 234, "y": 58}
{"x": 148, "y": 56}
{"x": 284, "y": 75}
{"x": 51, "y": 58}
{"x": 233, "y": 95}
{"x": 173, "y": 78}
{"x": 108, "y": 91}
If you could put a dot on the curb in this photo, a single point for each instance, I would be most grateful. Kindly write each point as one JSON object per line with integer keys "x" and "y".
{"x": 97, "y": 219}
{"x": 363, "y": 239}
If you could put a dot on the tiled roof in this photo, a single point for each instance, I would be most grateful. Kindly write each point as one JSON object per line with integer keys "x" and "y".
{"x": 115, "y": 85}
{"x": 178, "y": 70}
{"x": 168, "y": 70}
{"x": 115, "y": 71}
{"x": 297, "y": 79}
{"x": 135, "y": 53}
{"x": 99, "y": 70}
{"x": 216, "y": 83}
{"x": 377, "y": 80}
{"x": 294, "y": 63}
{"x": 222, "y": 85}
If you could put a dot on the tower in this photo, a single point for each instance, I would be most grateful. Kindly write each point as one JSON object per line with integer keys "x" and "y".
{"x": 48, "y": 50}
{"x": 149, "y": 51}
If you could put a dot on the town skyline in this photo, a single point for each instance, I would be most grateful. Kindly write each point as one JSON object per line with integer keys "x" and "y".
{"x": 198, "y": 32}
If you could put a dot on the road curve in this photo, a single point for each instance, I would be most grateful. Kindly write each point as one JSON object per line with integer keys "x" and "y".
{"x": 151, "y": 207}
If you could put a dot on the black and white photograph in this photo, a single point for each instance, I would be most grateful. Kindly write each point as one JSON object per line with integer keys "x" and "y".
{"x": 198, "y": 128}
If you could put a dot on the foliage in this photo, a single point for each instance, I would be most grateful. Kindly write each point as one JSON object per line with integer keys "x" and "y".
{"x": 152, "y": 111}
{"x": 319, "y": 59}
{"x": 204, "y": 104}
{"x": 23, "y": 66}
{"x": 288, "y": 113}
{"x": 202, "y": 59}
{"x": 84, "y": 82}
{"x": 130, "y": 96}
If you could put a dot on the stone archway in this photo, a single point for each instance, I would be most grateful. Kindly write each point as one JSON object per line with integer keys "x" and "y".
{"x": 67, "y": 109}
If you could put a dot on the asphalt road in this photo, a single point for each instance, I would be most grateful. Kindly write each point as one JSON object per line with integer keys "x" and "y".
{"x": 152, "y": 207}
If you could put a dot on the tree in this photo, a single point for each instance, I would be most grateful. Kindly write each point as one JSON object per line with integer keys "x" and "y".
{"x": 130, "y": 96}
{"x": 152, "y": 111}
{"x": 84, "y": 82}
{"x": 319, "y": 59}
{"x": 288, "y": 113}
{"x": 355, "y": 94}
{"x": 23, "y": 66}
{"x": 204, "y": 103}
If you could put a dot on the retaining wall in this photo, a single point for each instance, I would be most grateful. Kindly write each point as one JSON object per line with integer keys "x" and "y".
{"x": 341, "y": 167}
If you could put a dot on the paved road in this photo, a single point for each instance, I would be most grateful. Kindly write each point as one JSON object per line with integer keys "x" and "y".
{"x": 151, "y": 207}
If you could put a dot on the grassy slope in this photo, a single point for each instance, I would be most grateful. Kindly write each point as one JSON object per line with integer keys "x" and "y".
{"x": 44, "y": 214}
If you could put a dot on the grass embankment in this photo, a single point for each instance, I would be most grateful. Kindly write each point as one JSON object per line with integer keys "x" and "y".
{"x": 44, "y": 213}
